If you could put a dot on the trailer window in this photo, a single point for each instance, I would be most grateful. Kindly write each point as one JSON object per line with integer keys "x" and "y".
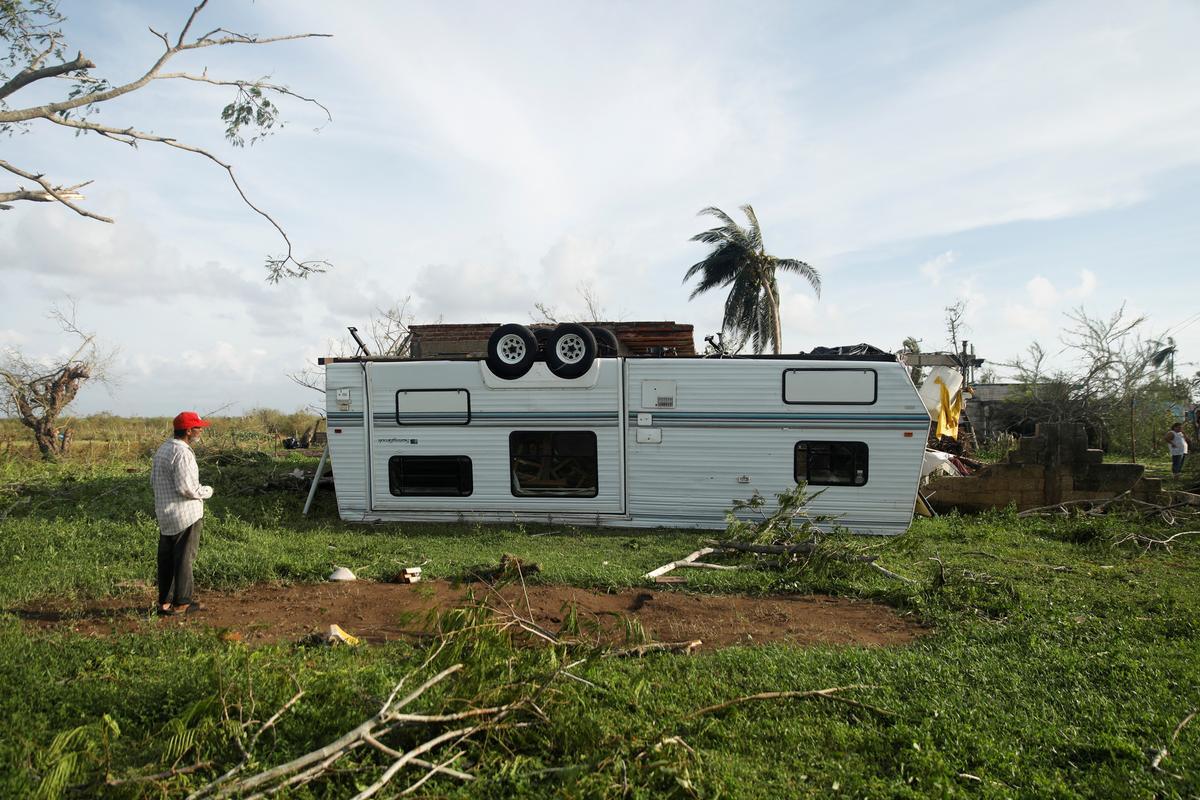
{"x": 553, "y": 463}
{"x": 430, "y": 476}
{"x": 831, "y": 463}
{"x": 433, "y": 407}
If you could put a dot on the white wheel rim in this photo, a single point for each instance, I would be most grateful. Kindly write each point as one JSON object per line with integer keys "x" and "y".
{"x": 570, "y": 348}
{"x": 511, "y": 349}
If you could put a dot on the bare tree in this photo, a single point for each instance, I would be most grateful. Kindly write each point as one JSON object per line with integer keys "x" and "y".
{"x": 389, "y": 335}
{"x": 38, "y": 391}
{"x": 955, "y": 324}
{"x": 1110, "y": 369}
{"x": 593, "y": 309}
{"x": 37, "y": 54}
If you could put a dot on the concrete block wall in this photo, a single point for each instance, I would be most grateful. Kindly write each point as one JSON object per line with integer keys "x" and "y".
{"x": 1054, "y": 466}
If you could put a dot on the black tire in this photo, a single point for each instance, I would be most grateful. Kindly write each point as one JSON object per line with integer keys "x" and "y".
{"x": 512, "y": 349}
{"x": 571, "y": 350}
{"x": 607, "y": 345}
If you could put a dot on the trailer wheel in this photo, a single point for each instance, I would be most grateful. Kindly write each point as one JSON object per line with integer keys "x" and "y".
{"x": 606, "y": 342}
{"x": 571, "y": 350}
{"x": 512, "y": 349}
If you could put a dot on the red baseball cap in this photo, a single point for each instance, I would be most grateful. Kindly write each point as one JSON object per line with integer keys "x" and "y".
{"x": 187, "y": 420}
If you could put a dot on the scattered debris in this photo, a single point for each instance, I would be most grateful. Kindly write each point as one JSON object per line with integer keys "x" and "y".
{"x": 335, "y": 637}
{"x": 407, "y": 575}
{"x": 342, "y": 574}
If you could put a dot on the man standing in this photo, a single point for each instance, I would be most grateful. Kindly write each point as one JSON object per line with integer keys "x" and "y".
{"x": 1177, "y": 444}
{"x": 179, "y": 505}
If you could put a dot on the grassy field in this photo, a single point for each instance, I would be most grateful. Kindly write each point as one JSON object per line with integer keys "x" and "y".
{"x": 1061, "y": 658}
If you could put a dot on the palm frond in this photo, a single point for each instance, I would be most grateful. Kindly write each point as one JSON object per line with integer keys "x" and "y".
{"x": 713, "y": 211}
{"x": 806, "y": 271}
{"x": 754, "y": 235}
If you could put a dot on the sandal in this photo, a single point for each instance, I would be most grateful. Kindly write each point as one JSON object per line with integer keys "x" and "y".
{"x": 164, "y": 612}
{"x": 194, "y": 607}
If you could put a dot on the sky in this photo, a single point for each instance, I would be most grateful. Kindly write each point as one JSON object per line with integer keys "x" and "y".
{"x": 1026, "y": 158}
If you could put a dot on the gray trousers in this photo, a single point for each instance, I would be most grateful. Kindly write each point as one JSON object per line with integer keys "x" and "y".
{"x": 175, "y": 556}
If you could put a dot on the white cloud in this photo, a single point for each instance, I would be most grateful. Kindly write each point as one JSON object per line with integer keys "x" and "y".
{"x": 10, "y": 337}
{"x": 1086, "y": 286}
{"x": 933, "y": 269}
{"x": 473, "y": 291}
{"x": 1041, "y": 292}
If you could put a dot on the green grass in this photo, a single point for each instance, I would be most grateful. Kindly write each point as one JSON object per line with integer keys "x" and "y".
{"x": 1037, "y": 682}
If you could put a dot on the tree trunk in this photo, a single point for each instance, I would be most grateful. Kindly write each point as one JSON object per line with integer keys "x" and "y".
{"x": 773, "y": 301}
{"x": 46, "y": 442}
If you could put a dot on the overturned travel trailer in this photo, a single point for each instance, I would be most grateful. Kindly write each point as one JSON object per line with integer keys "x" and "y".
{"x": 562, "y": 430}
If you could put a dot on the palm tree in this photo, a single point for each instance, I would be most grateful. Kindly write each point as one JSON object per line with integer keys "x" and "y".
{"x": 739, "y": 261}
{"x": 1164, "y": 353}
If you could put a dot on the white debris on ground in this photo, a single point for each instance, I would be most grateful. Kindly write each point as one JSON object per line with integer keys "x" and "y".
{"x": 342, "y": 574}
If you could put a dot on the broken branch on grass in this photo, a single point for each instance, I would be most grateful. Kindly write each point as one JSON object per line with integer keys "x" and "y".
{"x": 683, "y": 648}
{"x": 389, "y": 717}
{"x": 1096, "y": 503}
{"x": 158, "y": 776}
{"x": 766, "y": 549}
{"x": 1149, "y": 542}
{"x": 1163, "y": 752}
{"x": 665, "y": 568}
{"x": 824, "y": 694}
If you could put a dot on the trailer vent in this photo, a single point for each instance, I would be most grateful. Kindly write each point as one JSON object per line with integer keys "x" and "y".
{"x": 658, "y": 394}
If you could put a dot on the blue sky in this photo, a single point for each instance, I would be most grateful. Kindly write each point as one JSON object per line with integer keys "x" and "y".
{"x": 1025, "y": 157}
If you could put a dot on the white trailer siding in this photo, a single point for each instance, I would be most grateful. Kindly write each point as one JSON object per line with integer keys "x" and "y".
{"x": 676, "y": 439}
{"x": 539, "y": 401}
{"x": 731, "y": 432}
{"x": 347, "y": 436}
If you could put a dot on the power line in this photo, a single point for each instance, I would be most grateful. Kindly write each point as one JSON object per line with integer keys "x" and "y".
{"x": 1188, "y": 322}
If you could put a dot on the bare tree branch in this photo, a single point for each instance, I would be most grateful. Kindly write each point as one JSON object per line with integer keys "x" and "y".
{"x": 34, "y": 38}
{"x": 260, "y": 84}
{"x": 279, "y": 266}
{"x": 55, "y": 193}
{"x": 30, "y": 74}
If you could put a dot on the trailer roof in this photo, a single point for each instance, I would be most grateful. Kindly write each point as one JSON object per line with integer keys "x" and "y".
{"x": 815, "y": 356}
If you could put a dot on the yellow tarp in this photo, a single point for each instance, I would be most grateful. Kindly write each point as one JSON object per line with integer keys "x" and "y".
{"x": 949, "y": 410}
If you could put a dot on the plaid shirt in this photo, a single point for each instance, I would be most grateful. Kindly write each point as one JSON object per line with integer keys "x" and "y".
{"x": 178, "y": 496}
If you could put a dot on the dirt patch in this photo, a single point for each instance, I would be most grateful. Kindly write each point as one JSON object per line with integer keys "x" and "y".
{"x": 380, "y": 612}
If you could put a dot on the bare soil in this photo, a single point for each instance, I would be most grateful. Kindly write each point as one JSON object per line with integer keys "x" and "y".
{"x": 379, "y": 612}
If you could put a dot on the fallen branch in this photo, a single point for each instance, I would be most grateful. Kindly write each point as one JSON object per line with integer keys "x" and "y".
{"x": 1163, "y": 752}
{"x": 684, "y": 648}
{"x": 665, "y": 568}
{"x": 825, "y": 694}
{"x": 390, "y": 717}
{"x": 887, "y": 573}
{"x": 158, "y": 776}
{"x": 767, "y": 549}
{"x": 1097, "y": 504}
{"x": 1149, "y": 542}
